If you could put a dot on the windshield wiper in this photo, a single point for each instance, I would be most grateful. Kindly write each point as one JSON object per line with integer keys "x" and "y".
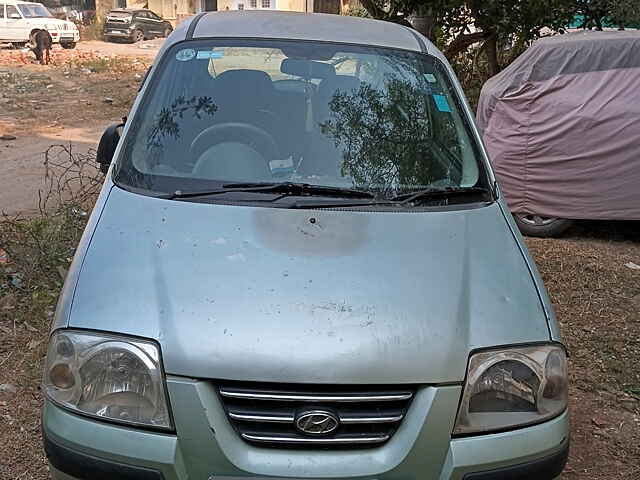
{"x": 437, "y": 192}
{"x": 284, "y": 188}
{"x": 402, "y": 200}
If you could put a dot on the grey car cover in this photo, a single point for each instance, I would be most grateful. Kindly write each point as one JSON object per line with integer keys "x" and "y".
{"x": 562, "y": 127}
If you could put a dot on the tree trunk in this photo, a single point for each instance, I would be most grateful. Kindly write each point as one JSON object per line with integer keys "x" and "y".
{"x": 491, "y": 47}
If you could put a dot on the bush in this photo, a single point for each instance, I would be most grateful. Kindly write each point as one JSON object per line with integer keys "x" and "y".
{"x": 36, "y": 252}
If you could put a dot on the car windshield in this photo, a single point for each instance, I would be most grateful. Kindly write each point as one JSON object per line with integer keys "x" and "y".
{"x": 379, "y": 120}
{"x": 34, "y": 10}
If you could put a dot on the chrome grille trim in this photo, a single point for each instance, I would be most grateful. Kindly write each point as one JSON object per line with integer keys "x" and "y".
{"x": 315, "y": 441}
{"x": 248, "y": 417}
{"x": 245, "y": 417}
{"x": 351, "y": 420}
{"x": 289, "y": 397}
{"x": 277, "y": 415}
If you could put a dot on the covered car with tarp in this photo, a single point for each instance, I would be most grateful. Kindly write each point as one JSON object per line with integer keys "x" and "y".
{"x": 562, "y": 127}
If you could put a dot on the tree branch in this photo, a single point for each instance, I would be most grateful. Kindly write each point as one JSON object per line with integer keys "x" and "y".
{"x": 374, "y": 9}
{"x": 463, "y": 41}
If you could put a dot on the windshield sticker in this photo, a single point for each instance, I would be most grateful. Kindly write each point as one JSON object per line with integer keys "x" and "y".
{"x": 431, "y": 78}
{"x": 281, "y": 167}
{"x": 441, "y": 103}
{"x": 185, "y": 54}
{"x": 207, "y": 54}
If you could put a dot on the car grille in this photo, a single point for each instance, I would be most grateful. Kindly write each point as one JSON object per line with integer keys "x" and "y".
{"x": 269, "y": 415}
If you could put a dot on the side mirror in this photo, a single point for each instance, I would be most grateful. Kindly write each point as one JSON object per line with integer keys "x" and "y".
{"x": 107, "y": 146}
{"x": 15, "y": 16}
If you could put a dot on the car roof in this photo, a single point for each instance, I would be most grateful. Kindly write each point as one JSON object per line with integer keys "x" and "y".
{"x": 304, "y": 26}
{"x": 582, "y": 38}
{"x": 19, "y": 2}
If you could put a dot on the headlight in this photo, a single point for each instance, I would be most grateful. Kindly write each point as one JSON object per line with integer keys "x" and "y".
{"x": 513, "y": 387}
{"x": 107, "y": 376}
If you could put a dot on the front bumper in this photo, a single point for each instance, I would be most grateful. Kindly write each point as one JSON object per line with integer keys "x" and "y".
{"x": 117, "y": 30}
{"x": 113, "y": 33}
{"x": 65, "y": 36}
{"x": 207, "y": 447}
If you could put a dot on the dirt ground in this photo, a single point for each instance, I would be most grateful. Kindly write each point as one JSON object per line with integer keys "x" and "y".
{"x": 69, "y": 102}
{"x": 596, "y": 296}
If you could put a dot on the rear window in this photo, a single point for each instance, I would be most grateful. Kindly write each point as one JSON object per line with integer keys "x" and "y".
{"x": 119, "y": 14}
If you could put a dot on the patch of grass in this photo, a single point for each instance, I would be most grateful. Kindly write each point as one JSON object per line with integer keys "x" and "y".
{"x": 114, "y": 64}
{"x": 634, "y": 390}
{"x": 39, "y": 250}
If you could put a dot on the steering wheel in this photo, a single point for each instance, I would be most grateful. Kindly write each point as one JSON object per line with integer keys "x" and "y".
{"x": 237, "y": 132}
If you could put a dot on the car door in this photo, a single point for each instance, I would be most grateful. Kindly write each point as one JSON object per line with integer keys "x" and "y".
{"x": 17, "y": 28}
{"x": 145, "y": 24}
{"x": 138, "y": 21}
{"x": 158, "y": 24}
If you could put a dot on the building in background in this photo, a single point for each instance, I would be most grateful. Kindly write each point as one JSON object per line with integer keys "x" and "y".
{"x": 177, "y": 10}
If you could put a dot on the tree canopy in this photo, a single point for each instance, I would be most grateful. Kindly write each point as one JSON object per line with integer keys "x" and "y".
{"x": 456, "y": 25}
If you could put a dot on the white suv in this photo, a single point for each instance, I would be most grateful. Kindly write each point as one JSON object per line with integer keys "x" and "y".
{"x": 19, "y": 19}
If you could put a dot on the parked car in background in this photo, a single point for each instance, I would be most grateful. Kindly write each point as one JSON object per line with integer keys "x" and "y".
{"x": 135, "y": 25}
{"x": 19, "y": 20}
{"x": 562, "y": 125}
{"x": 310, "y": 271}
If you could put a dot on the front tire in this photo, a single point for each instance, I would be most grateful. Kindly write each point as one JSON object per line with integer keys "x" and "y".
{"x": 138, "y": 36}
{"x": 534, "y": 225}
{"x": 68, "y": 45}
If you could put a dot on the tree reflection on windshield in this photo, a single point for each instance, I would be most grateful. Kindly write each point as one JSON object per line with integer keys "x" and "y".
{"x": 166, "y": 122}
{"x": 387, "y": 138}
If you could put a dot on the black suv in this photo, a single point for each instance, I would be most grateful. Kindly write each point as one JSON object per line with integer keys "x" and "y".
{"x": 135, "y": 25}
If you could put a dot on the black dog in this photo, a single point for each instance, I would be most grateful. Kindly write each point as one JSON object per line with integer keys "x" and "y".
{"x": 41, "y": 43}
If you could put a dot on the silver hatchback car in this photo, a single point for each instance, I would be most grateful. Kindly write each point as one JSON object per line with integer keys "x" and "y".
{"x": 300, "y": 266}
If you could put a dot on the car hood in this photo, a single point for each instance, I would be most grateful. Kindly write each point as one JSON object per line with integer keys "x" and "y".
{"x": 325, "y": 296}
{"x": 47, "y": 22}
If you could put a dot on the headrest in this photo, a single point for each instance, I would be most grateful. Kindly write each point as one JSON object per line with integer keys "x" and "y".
{"x": 243, "y": 88}
{"x": 307, "y": 68}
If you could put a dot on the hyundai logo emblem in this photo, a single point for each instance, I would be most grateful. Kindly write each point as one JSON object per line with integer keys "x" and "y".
{"x": 317, "y": 422}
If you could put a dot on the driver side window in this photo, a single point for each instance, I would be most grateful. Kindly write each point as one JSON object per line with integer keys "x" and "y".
{"x": 12, "y": 11}
{"x": 1, "y": 11}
